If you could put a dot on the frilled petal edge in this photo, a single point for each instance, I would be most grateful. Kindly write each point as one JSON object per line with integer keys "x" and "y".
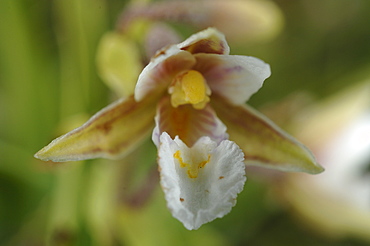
{"x": 200, "y": 183}
{"x": 264, "y": 144}
{"x": 111, "y": 133}
{"x": 236, "y": 78}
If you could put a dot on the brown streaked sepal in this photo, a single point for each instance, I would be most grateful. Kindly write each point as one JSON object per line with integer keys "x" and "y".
{"x": 111, "y": 133}
{"x": 264, "y": 143}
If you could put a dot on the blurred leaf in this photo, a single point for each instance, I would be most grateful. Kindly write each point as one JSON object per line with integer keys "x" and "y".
{"x": 118, "y": 61}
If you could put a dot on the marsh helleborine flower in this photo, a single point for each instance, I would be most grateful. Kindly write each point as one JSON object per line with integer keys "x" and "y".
{"x": 184, "y": 86}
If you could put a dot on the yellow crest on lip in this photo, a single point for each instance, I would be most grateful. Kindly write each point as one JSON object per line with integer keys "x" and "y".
{"x": 192, "y": 167}
{"x": 190, "y": 88}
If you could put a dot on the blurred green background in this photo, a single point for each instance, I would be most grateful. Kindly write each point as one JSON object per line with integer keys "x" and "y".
{"x": 48, "y": 75}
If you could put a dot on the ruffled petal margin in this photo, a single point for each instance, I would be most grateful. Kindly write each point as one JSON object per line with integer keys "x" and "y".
{"x": 111, "y": 133}
{"x": 236, "y": 78}
{"x": 209, "y": 195}
{"x": 264, "y": 144}
{"x": 188, "y": 123}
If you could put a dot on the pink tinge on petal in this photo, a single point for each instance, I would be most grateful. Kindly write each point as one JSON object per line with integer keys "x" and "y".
{"x": 161, "y": 70}
{"x": 207, "y": 41}
{"x": 187, "y": 123}
{"x": 235, "y": 78}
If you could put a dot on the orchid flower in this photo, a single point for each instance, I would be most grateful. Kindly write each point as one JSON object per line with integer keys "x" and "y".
{"x": 196, "y": 92}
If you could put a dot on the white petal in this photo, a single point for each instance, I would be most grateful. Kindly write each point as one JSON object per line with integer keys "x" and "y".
{"x": 160, "y": 71}
{"x": 236, "y": 78}
{"x": 212, "y": 193}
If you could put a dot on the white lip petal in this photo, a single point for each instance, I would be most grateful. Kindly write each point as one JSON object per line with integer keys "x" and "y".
{"x": 236, "y": 78}
{"x": 211, "y": 193}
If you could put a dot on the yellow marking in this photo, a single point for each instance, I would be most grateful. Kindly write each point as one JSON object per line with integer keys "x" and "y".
{"x": 177, "y": 155}
{"x": 203, "y": 163}
{"x": 193, "y": 168}
{"x": 191, "y": 174}
{"x": 190, "y": 88}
